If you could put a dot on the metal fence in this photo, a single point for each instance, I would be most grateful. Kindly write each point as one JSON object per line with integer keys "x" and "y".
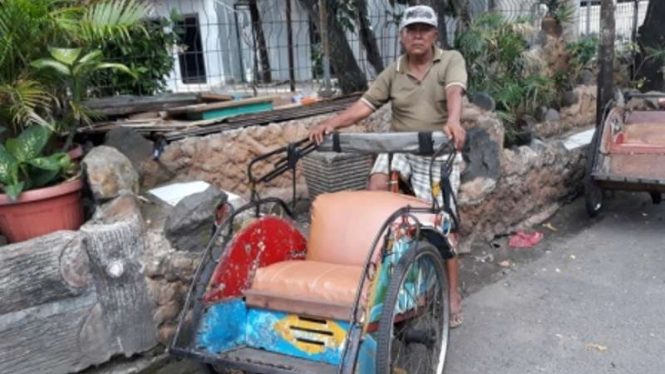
{"x": 252, "y": 47}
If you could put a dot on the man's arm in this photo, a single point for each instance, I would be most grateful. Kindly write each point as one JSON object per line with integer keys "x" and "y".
{"x": 453, "y": 128}
{"x": 356, "y": 112}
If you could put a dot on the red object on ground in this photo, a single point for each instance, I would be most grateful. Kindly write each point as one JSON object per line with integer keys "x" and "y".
{"x": 263, "y": 242}
{"x": 42, "y": 211}
{"x": 523, "y": 239}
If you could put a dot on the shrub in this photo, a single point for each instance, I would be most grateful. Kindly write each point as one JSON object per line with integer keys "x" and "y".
{"x": 494, "y": 51}
{"x": 24, "y": 166}
{"x": 148, "y": 54}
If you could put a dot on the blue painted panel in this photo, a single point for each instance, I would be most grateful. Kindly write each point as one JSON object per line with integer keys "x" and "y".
{"x": 367, "y": 356}
{"x": 288, "y": 334}
{"x": 223, "y": 327}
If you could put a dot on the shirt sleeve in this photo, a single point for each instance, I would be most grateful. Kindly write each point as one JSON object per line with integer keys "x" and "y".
{"x": 379, "y": 92}
{"x": 456, "y": 71}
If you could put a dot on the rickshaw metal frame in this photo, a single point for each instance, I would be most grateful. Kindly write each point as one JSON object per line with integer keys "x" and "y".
{"x": 596, "y": 178}
{"x": 209, "y": 261}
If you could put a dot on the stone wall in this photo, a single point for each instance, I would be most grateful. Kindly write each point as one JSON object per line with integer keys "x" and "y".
{"x": 580, "y": 111}
{"x": 169, "y": 274}
{"x": 534, "y": 180}
{"x": 222, "y": 159}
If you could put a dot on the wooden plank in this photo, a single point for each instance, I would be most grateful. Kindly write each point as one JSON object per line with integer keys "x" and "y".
{"x": 212, "y": 97}
{"x": 264, "y": 118}
{"x": 128, "y": 104}
{"x": 233, "y": 111}
{"x": 48, "y": 268}
{"x": 174, "y": 129}
{"x": 199, "y": 108}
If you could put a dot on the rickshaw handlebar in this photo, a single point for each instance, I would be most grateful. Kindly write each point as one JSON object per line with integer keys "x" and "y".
{"x": 422, "y": 143}
{"x": 433, "y": 144}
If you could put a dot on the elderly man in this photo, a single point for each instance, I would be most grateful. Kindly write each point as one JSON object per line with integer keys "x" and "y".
{"x": 425, "y": 87}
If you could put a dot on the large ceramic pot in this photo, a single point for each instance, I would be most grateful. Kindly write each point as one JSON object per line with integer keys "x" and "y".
{"x": 42, "y": 211}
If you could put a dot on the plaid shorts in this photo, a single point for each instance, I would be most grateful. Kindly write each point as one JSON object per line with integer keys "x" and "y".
{"x": 416, "y": 169}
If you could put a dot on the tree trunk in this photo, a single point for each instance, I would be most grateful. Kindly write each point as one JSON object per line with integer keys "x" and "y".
{"x": 71, "y": 300}
{"x": 652, "y": 34}
{"x": 367, "y": 37}
{"x": 605, "y": 57}
{"x": 350, "y": 77}
{"x": 53, "y": 267}
{"x": 265, "y": 74}
{"x": 463, "y": 15}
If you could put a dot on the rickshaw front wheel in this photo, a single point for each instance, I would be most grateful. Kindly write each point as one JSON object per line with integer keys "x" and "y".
{"x": 414, "y": 325}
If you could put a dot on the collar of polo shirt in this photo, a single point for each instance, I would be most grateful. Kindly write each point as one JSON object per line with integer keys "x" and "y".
{"x": 437, "y": 57}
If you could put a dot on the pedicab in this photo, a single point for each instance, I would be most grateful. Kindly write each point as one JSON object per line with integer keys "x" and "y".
{"x": 627, "y": 152}
{"x": 366, "y": 292}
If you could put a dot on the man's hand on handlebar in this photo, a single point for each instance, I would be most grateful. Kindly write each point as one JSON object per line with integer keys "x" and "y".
{"x": 456, "y": 132}
{"x": 317, "y": 133}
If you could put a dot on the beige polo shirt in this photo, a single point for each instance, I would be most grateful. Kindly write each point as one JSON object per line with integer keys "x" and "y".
{"x": 418, "y": 105}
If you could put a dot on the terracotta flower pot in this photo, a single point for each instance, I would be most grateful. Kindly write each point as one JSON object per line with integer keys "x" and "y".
{"x": 42, "y": 211}
{"x": 75, "y": 152}
{"x": 551, "y": 26}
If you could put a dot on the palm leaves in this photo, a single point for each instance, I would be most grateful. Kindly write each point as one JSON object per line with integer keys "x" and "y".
{"x": 24, "y": 98}
{"x": 112, "y": 19}
{"x": 29, "y": 27}
{"x": 75, "y": 70}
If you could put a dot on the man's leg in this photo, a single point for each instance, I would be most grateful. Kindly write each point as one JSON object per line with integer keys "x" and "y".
{"x": 452, "y": 267}
{"x": 378, "y": 179}
{"x": 378, "y": 182}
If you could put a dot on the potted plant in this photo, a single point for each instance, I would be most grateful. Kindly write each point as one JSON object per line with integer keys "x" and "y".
{"x": 73, "y": 70}
{"x": 558, "y": 14}
{"x": 30, "y": 95}
{"x": 41, "y": 193}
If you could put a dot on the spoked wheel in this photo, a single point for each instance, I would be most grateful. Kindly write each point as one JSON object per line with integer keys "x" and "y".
{"x": 593, "y": 193}
{"x": 414, "y": 325}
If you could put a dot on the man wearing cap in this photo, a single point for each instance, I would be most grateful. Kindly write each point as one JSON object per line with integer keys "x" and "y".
{"x": 425, "y": 87}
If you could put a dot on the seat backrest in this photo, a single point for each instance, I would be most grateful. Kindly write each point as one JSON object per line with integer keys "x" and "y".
{"x": 344, "y": 224}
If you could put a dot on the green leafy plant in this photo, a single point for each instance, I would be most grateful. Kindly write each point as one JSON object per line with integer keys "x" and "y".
{"x": 29, "y": 27}
{"x": 75, "y": 71}
{"x": 583, "y": 53}
{"x": 494, "y": 50}
{"x": 24, "y": 166}
{"x": 657, "y": 54}
{"x": 565, "y": 14}
{"x": 149, "y": 56}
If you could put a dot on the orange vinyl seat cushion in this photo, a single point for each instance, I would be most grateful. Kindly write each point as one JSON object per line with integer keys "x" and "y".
{"x": 344, "y": 225}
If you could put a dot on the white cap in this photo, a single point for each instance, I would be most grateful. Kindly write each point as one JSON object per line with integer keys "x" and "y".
{"x": 418, "y": 14}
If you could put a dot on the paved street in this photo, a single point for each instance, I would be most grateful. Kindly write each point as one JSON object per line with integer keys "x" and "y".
{"x": 593, "y": 303}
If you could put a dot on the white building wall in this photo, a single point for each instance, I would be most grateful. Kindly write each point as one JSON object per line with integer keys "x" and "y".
{"x": 210, "y": 39}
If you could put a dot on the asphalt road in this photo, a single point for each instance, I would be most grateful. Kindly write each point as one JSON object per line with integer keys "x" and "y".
{"x": 593, "y": 301}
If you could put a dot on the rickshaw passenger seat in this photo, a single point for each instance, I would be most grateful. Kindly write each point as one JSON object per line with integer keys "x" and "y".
{"x": 344, "y": 225}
